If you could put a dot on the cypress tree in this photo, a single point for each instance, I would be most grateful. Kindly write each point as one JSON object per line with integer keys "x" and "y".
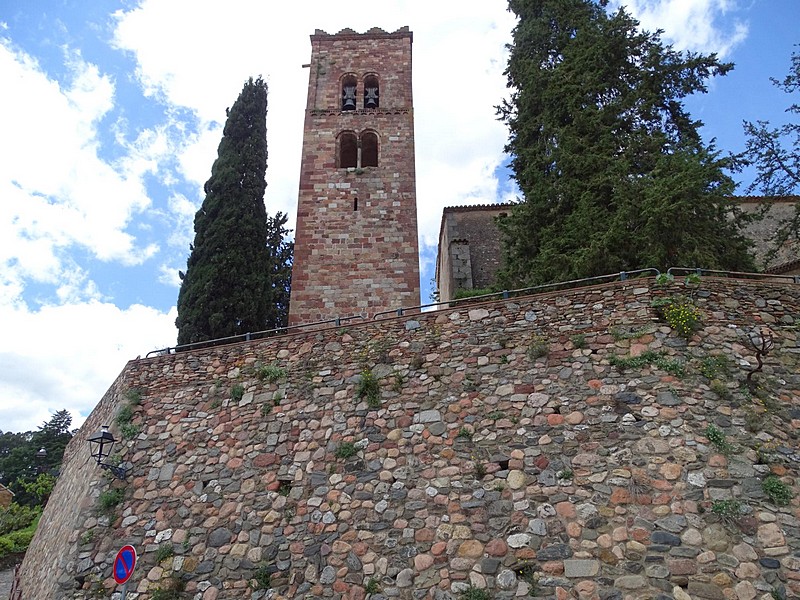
{"x": 238, "y": 251}
{"x": 613, "y": 172}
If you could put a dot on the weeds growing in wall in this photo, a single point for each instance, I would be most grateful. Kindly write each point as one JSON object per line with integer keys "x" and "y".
{"x": 270, "y": 373}
{"x": 679, "y": 313}
{"x": 108, "y": 500}
{"x": 369, "y": 389}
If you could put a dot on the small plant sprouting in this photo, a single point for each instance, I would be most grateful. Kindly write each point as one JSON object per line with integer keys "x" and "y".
{"x": 346, "y": 450}
{"x": 474, "y": 593}
{"x": 639, "y": 488}
{"x": 683, "y": 317}
{"x": 679, "y": 313}
{"x": 134, "y": 396}
{"x": 753, "y": 420}
{"x": 714, "y": 367}
{"x": 620, "y": 333}
{"x": 270, "y": 373}
{"x": 480, "y": 470}
{"x": 578, "y": 340}
{"x": 565, "y": 474}
{"x": 692, "y": 279}
{"x": 777, "y": 594}
{"x": 776, "y": 490}
{"x": 717, "y": 437}
{"x": 125, "y": 415}
{"x": 284, "y": 487}
{"x": 527, "y": 573}
{"x": 237, "y": 391}
{"x": 262, "y": 578}
{"x": 675, "y": 367}
{"x": 130, "y": 430}
{"x": 399, "y": 381}
{"x": 109, "y": 500}
{"x": 538, "y": 348}
{"x": 720, "y": 389}
{"x": 372, "y": 586}
{"x": 125, "y": 422}
{"x": 664, "y": 279}
{"x": 173, "y": 590}
{"x": 496, "y": 415}
{"x": 87, "y": 536}
{"x": 728, "y": 510}
{"x": 369, "y": 389}
{"x": 266, "y": 408}
{"x": 164, "y": 552}
{"x": 464, "y": 434}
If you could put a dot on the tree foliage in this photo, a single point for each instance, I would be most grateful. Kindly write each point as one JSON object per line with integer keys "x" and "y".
{"x": 775, "y": 153}
{"x": 612, "y": 169}
{"x": 238, "y": 272}
{"x": 21, "y": 469}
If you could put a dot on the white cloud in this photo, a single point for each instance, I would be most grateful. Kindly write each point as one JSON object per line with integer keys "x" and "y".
{"x": 58, "y": 194}
{"x": 696, "y": 25}
{"x": 198, "y": 153}
{"x": 168, "y": 275}
{"x": 67, "y": 356}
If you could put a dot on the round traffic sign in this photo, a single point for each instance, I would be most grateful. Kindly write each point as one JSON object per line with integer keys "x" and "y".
{"x": 124, "y": 563}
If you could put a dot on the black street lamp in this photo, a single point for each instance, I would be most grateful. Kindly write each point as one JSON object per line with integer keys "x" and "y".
{"x": 41, "y": 455}
{"x": 100, "y": 447}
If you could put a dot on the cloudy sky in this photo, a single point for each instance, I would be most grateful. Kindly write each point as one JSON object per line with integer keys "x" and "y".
{"x": 112, "y": 110}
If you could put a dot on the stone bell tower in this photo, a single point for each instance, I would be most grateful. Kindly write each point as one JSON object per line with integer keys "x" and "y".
{"x": 356, "y": 238}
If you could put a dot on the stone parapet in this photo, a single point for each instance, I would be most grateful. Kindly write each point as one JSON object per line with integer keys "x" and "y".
{"x": 516, "y": 446}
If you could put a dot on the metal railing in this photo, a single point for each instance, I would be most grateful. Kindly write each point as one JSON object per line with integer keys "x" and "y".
{"x": 572, "y": 283}
{"x": 250, "y": 336}
{"x": 735, "y": 274}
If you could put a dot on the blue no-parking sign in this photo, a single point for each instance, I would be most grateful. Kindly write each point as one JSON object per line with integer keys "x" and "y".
{"x": 124, "y": 564}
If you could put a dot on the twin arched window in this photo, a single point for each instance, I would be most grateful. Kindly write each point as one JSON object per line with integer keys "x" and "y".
{"x": 370, "y": 94}
{"x": 357, "y": 151}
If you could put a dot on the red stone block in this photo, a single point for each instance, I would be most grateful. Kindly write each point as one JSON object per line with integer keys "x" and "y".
{"x": 620, "y": 496}
{"x": 265, "y": 460}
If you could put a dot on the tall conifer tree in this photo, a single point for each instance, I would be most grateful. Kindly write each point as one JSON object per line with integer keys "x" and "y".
{"x": 612, "y": 169}
{"x": 239, "y": 267}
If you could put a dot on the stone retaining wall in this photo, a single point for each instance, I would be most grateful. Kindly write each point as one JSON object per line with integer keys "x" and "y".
{"x": 504, "y": 451}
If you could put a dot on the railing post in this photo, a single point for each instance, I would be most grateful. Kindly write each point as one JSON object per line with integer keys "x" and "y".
{"x": 338, "y": 322}
{"x": 247, "y": 337}
{"x": 505, "y": 294}
{"x": 400, "y": 312}
{"x": 623, "y": 275}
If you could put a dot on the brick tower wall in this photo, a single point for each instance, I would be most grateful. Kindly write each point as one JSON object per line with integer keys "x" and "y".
{"x": 356, "y": 239}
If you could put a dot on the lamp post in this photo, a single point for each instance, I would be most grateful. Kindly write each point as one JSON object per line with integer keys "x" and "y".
{"x": 41, "y": 455}
{"x": 100, "y": 445}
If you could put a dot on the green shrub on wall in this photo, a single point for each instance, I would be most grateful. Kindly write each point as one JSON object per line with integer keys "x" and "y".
{"x": 679, "y": 313}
